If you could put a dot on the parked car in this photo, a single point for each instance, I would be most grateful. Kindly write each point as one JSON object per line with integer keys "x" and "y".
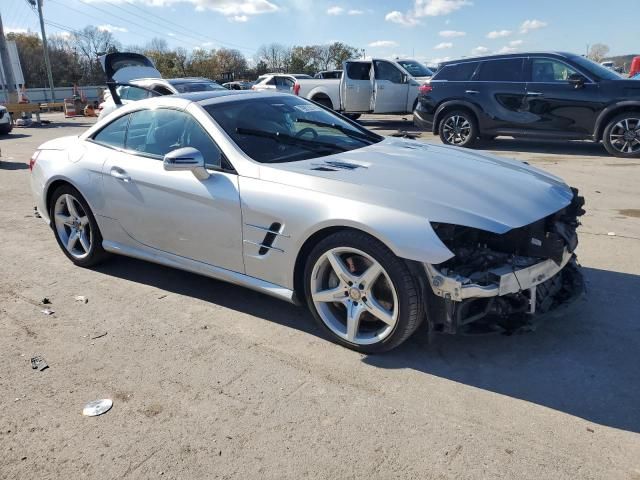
{"x": 366, "y": 86}
{"x": 608, "y": 64}
{"x": 136, "y": 78}
{"x": 634, "y": 69}
{"x": 282, "y": 82}
{"x": 542, "y": 95}
{"x": 238, "y": 85}
{"x": 416, "y": 69}
{"x": 273, "y": 192}
{"x": 329, "y": 74}
{"x": 5, "y": 121}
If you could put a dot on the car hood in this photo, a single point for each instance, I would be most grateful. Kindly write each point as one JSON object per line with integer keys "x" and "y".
{"x": 442, "y": 184}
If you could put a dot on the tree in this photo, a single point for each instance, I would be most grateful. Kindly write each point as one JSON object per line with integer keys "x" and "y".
{"x": 91, "y": 43}
{"x": 598, "y": 52}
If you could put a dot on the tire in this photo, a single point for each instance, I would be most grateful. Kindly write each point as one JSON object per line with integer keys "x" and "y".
{"x": 353, "y": 116}
{"x": 325, "y": 102}
{"x": 468, "y": 128}
{"x": 6, "y": 129}
{"x": 393, "y": 293}
{"x": 81, "y": 224}
{"x": 621, "y": 134}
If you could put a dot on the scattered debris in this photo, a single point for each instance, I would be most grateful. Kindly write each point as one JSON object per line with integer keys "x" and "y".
{"x": 47, "y": 311}
{"x": 36, "y": 213}
{"x": 81, "y": 299}
{"x": 46, "y": 301}
{"x": 611, "y": 234}
{"x": 39, "y": 363}
{"x": 598, "y": 191}
{"x": 590, "y": 430}
{"x": 97, "y": 407}
{"x": 406, "y": 134}
{"x": 100, "y": 335}
{"x": 508, "y": 450}
{"x": 161, "y": 297}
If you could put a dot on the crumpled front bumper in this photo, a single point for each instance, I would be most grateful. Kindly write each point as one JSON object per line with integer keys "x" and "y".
{"x": 454, "y": 301}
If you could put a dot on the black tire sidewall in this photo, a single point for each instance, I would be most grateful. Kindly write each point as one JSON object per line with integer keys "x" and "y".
{"x": 96, "y": 252}
{"x": 406, "y": 286}
{"x": 473, "y": 135}
{"x": 607, "y": 131}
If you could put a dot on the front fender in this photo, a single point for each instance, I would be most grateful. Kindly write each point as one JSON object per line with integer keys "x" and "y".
{"x": 609, "y": 112}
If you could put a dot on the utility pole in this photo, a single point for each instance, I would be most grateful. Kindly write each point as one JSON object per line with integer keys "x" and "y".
{"x": 47, "y": 63}
{"x": 10, "y": 81}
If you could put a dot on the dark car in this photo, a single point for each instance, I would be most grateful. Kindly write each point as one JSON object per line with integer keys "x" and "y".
{"x": 541, "y": 95}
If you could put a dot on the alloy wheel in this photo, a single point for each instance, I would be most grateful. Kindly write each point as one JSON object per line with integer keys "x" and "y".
{"x": 354, "y": 296}
{"x": 625, "y": 135}
{"x": 456, "y": 129}
{"x": 72, "y": 226}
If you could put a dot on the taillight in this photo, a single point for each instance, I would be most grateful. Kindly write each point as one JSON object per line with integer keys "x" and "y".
{"x": 425, "y": 89}
{"x": 32, "y": 160}
{"x": 296, "y": 88}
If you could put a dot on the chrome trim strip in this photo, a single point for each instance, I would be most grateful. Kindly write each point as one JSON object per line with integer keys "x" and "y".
{"x": 265, "y": 229}
{"x": 201, "y": 268}
{"x": 458, "y": 288}
{"x": 262, "y": 245}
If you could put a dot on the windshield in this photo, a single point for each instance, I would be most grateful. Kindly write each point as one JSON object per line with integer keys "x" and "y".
{"x": 203, "y": 86}
{"x": 596, "y": 69}
{"x": 415, "y": 69}
{"x": 287, "y": 128}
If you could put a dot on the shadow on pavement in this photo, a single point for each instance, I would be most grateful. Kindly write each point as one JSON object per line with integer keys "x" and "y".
{"x": 585, "y": 364}
{"x": 14, "y": 136}
{"x": 4, "y": 165}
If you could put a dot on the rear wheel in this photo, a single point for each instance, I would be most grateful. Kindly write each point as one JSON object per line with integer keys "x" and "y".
{"x": 75, "y": 227}
{"x": 458, "y": 128}
{"x": 621, "y": 136}
{"x": 361, "y": 293}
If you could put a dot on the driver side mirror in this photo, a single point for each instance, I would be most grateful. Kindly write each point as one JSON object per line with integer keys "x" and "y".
{"x": 576, "y": 80}
{"x": 405, "y": 78}
{"x": 187, "y": 158}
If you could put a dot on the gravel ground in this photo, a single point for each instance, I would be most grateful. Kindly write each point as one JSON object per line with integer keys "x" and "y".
{"x": 210, "y": 380}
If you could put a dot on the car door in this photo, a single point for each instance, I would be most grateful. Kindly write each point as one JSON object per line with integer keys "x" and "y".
{"x": 556, "y": 105}
{"x": 498, "y": 89}
{"x": 172, "y": 211}
{"x": 356, "y": 86}
{"x": 390, "y": 88}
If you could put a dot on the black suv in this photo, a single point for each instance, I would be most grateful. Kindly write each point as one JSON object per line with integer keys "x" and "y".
{"x": 551, "y": 95}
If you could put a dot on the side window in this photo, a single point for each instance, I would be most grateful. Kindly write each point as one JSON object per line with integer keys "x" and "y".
{"x": 387, "y": 71}
{"x": 137, "y": 93}
{"x": 284, "y": 82}
{"x": 271, "y": 81}
{"x": 546, "y": 70}
{"x": 459, "y": 72}
{"x": 195, "y": 136}
{"x": 113, "y": 134}
{"x": 162, "y": 90}
{"x": 507, "y": 70}
{"x": 358, "y": 70}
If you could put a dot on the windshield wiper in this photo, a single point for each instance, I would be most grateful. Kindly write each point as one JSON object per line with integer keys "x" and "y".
{"x": 347, "y": 131}
{"x": 290, "y": 140}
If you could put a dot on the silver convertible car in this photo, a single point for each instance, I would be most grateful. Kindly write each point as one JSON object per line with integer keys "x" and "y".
{"x": 276, "y": 193}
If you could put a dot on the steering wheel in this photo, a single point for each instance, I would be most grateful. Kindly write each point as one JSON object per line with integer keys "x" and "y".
{"x": 307, "y": 130}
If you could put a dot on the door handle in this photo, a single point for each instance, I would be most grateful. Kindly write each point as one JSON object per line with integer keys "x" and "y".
{"x": 535, "y": 94}
{"x": 471, "y": 92}
{"x": 120, "y": 174}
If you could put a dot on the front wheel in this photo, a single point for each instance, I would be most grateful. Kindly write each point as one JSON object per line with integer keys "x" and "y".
{"x": 363, "y": 295}
{"x": 458, "y": 128}
{"x": 621, "y": 136}
{"x": 75, "y": 227}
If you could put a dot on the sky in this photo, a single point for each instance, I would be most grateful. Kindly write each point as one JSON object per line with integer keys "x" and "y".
{"x": 428, "y": 30}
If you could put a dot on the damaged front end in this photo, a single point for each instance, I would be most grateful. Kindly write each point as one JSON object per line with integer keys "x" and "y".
{"x": 503, "y": 279}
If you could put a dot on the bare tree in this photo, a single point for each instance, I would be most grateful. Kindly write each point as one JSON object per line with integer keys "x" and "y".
{"x": 598, "y": 52}
{"x": 91, "y": 43}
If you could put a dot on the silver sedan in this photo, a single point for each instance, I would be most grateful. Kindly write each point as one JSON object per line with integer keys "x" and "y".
{"x": 276, "y": 193}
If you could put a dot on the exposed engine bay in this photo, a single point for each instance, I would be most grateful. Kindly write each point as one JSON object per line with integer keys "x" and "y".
{"x": 527, "y": 270}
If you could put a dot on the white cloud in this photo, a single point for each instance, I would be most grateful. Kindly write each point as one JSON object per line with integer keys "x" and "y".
{"x": 451, "y": 33}
{"x": 443, "y": 45}
{"x": 111, "y": 28}
{"x": 480, "y": 50}
{"x": 401, "y": 18}
{"x": 63, "y": 35}
{"x": 529, "y": 25}
{"x": 425, "y": 8}
{"x": 435, "y": 8}
{"x": 171, "y": 34}
{"x": 228, "y": 8}
{"x": 355, "y": 11}
{"x": 515, "y": 43}
{"x": 335, "y": 10}
{"x": 435, "y": 61}
{"x": 239, "y": 18}
{"x": 507, "y": 49}
{"x": 499, "y": 34}
{"x": 383, "y": 43}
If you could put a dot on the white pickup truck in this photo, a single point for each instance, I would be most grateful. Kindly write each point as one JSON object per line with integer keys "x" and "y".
{"x": 368, "y": 86}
